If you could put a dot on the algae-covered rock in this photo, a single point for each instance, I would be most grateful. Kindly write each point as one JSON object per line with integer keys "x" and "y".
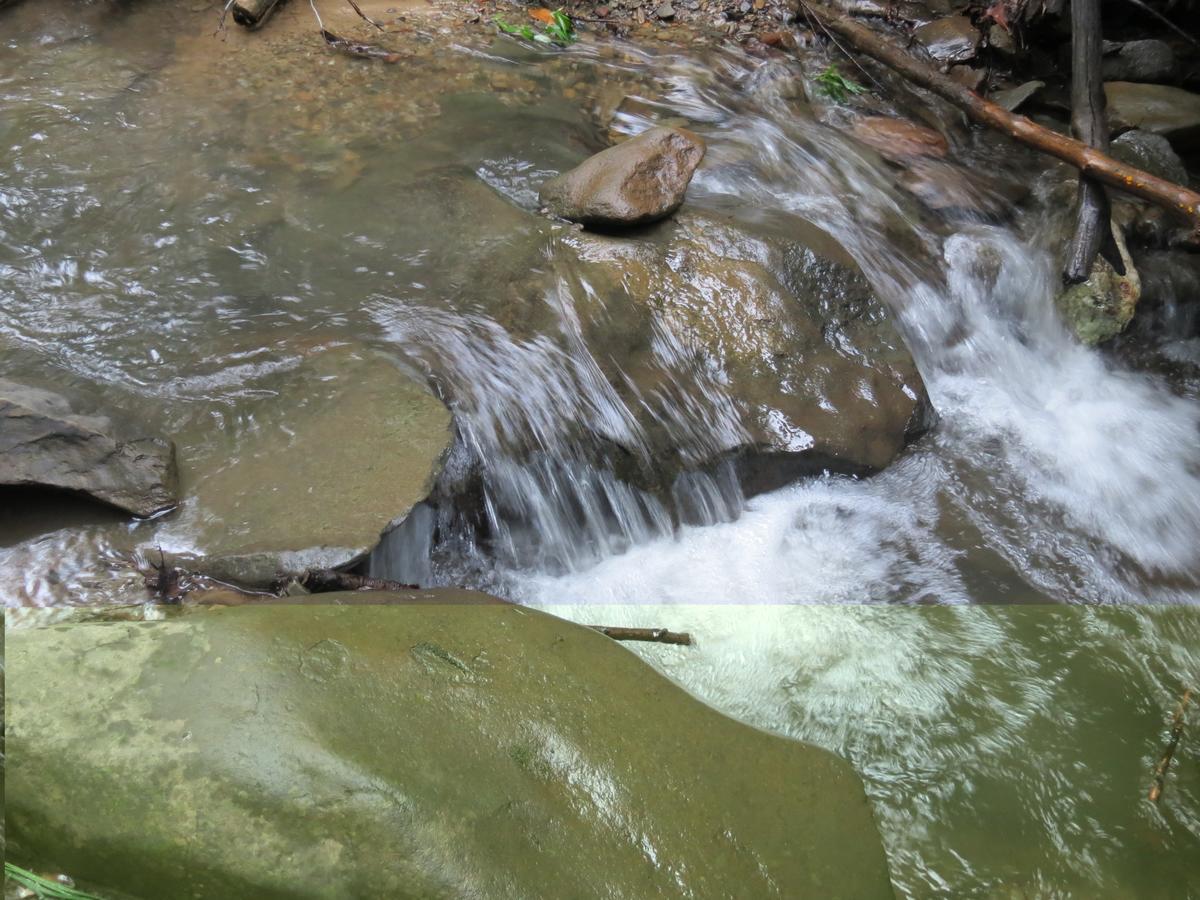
{"x": 1098, "y": 309}
{"x": 420, "y": 751}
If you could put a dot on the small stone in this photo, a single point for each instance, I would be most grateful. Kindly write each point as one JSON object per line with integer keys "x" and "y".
{"x": 1000, "y": 40}
{"x": 953, "y": 39}
{"x": 639, "y": 181}
{"x": 759, "y": 4}
{"x": 1014, "y": 97}
{"x": 665, "y": 11}
{"x": 603, "y": 12}
{"x": 745, "y": 7}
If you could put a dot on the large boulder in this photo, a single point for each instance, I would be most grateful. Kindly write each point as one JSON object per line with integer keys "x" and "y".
{"x": 781, "y": 338}
{"x": 45, "y": 441}
{"x": 348, "y": 445}
{"x": 1170, "y": 111}
{"x": 636, "y": 182}
{"x": 436, "y": 750}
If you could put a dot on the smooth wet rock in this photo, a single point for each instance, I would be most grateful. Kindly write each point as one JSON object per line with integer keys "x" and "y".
{"x": 45, "y": 441}
{"x": 1147, "y": 60}
{"x": 1151, "y": 152}
{"x": 950, "y": 40}
{"x": 636, "y": 182}
{"x": 799, "y": 362}
{"x": 439, "y": 750}
{"x": 1100, "y": 308}
{"x": 1170, "y": 111}
{"x": 346, "y": 448}
{"x": 899, "y": 139}
{"x": 1013, "y": 98}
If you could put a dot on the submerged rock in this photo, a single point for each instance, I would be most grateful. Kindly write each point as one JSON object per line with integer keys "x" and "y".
{"x": 1170, "y": 111}
{"x": 638, "y": 181}
{"x": 436, "y": 750}
{"x": 1098, "y": 309}
{"x": 44, "y": 441}
{"x": 898, "y": 139}
{"x": 350, "y": 445}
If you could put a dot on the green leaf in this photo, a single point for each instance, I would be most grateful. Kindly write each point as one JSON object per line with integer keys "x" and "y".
{"x": 44, "y": 888}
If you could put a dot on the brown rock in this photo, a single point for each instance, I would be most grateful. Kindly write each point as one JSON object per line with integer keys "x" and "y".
{"x": 898, "y": 139}
{"x": 641, "y": 180}
{"x": 953, "y": 39}
{"x": 953, "y": 192}
{"x": 1170, "y": 111}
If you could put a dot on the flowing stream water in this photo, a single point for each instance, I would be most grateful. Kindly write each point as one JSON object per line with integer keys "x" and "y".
{"x": 994, "y": 628}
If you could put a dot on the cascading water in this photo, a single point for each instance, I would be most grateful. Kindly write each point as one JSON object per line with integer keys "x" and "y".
{"x": 596, "y": 470}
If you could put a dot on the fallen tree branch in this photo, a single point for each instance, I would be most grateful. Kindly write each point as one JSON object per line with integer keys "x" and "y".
{"x": 653, "y": 635}
{"x": 1160, "y": 771}
{"x": 1100, "y": 166}
{"x": 324, "y": 581}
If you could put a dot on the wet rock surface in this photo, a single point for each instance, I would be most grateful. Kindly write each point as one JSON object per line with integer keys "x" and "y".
{"x": 44, "y": 441}
{"x": 636, "y": 182}
{"x": 898, "y": 139}
{"x": 319, "y": 480}
{"x": 435, "y": 750}
{"x": 1147, "y": 60}
{"x": 950, "y": 40}
{"x": 1151, "y": 152}
{"x": 815, "y": 372}
{"x": 1100, "y": 308}
{"x": 1170, "y": 111}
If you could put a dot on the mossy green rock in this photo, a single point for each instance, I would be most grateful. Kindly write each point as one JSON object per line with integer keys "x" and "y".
{"x": 448, "y": 750}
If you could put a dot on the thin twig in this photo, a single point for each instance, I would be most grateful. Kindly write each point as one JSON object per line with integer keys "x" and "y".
{"x": 1160, "y": 771}
{"x": 1175, "y": 28}
{"x": 811, "y": 17}
{"x": 221, "y": 21}
{"x": 362, "y": 14}
{"x": 653, "y": 635}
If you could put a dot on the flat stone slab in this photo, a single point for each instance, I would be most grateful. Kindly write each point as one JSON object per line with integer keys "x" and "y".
{"x": 45, "y": 441}
{"x": 346, "y": 448}
{"x": 431, "y": 750}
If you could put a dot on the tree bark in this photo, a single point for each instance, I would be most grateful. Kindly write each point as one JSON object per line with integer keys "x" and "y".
{"x": 322, "y": 581}
{"x": 654, "y": 635}
{"x": 1093, "y": 220}
{"x": 1160, "y": 771}
{"x": 1099, "y": 166}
